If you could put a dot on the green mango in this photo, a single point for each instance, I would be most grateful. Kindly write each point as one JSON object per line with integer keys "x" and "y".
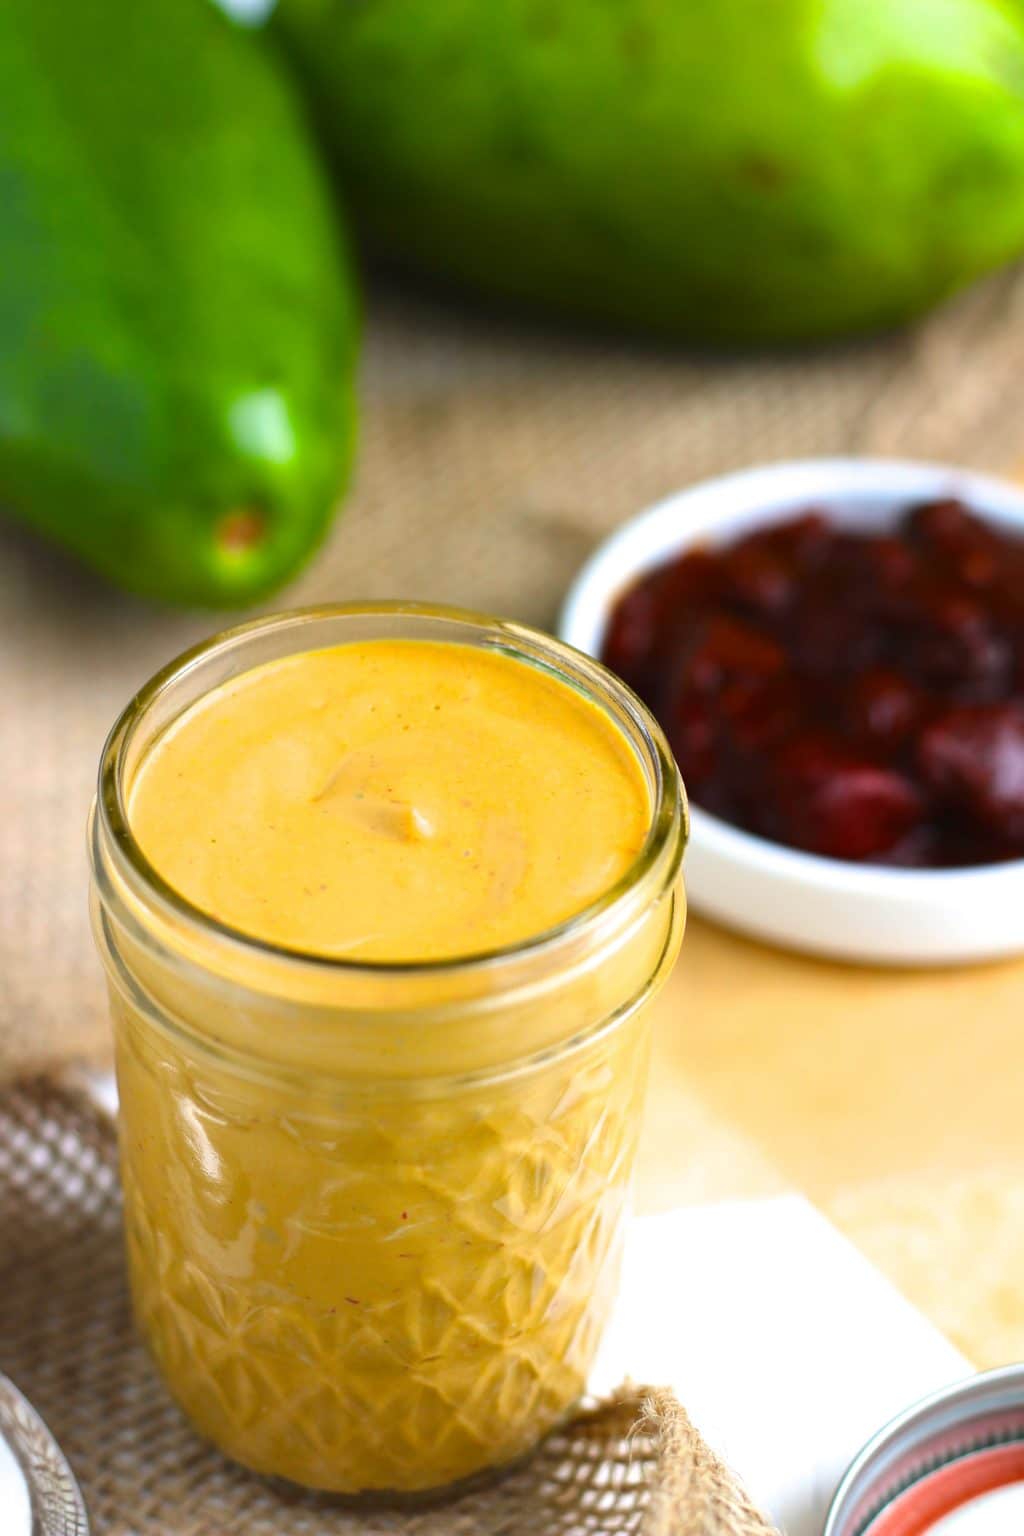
{"x": 725, "y": 170}
{"x": 177, "y": 323}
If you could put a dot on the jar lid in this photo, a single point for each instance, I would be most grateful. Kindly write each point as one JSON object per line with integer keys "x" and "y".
{"x": 953, "y": 1465}
{"x": 38, "y": 1492}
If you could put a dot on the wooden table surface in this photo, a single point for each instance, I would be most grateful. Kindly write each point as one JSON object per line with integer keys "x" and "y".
{"x": 893, "y": 1100}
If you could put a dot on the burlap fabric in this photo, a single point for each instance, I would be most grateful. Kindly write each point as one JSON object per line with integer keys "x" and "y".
{"x": 631, "y": 1465}
{"x": 493, "y": 457}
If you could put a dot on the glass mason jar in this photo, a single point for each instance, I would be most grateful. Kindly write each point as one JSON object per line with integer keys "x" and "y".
{"x": 374, "y": 1211}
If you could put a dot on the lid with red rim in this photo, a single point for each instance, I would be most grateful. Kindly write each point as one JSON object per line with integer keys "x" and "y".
{"x": 952, "y": 1465}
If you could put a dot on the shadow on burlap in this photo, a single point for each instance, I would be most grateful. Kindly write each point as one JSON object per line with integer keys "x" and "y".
{"x": 493, "y": 457}
{"x": 632, "y": 1466}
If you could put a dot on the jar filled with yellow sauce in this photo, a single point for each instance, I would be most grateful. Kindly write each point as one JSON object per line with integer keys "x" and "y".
{"x": 382, "y": 894}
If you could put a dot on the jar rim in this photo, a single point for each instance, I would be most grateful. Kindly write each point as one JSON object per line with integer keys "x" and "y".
{"x": 663, "y": 846}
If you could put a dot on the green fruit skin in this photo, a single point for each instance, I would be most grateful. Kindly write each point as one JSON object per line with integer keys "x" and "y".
{"x": 725, "y": 170}
{"x": 177, "y": 325}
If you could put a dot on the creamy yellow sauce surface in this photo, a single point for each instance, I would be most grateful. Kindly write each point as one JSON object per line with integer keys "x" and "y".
{"x": 392, "y": 800}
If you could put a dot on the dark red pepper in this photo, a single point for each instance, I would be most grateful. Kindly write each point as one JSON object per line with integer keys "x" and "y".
{"x": 857, "y": 695}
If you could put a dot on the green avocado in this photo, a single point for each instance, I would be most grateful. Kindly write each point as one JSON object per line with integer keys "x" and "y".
{"x": 725, "y": 170}
{"x": 177, "y": 325}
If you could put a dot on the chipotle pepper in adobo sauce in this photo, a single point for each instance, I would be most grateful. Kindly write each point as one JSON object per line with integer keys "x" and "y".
{"x": 857, "y": 695}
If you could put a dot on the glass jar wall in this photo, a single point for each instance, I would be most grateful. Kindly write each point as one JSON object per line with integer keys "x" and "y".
{"x": 374, "y": 1211}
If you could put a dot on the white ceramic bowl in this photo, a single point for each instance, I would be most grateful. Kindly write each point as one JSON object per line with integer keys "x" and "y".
{"x": 849, "y": 911}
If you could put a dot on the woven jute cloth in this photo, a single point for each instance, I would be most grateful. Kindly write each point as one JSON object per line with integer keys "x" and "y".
{"x": 633, "y": 1464}
{"x": 494, "y": 455}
